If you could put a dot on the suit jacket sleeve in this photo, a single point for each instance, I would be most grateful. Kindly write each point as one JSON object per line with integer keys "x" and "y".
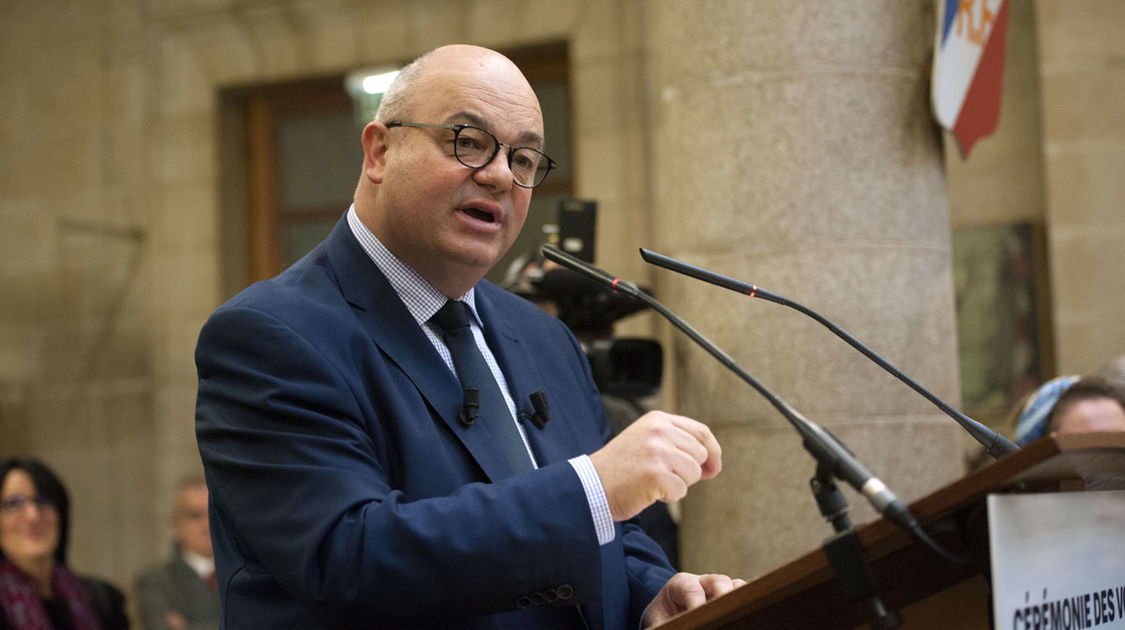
{"x": 646, "y": 565}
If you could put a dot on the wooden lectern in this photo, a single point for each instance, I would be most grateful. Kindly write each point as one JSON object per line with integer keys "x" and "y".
{"x": 928, "y": 591}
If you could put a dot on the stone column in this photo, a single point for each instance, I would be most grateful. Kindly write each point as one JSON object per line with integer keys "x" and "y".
{"x": 792, "y": 147}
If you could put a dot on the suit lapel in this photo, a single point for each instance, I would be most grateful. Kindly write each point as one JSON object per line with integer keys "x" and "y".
{"x": 398, "y": 336}
{"x": 554, "y": 442}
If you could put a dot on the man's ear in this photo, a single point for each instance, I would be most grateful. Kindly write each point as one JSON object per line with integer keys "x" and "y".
{"x": 374, "y": 140}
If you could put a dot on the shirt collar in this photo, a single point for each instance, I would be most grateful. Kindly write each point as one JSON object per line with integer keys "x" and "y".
{"x": 202, "y": 565}
{"x": 421, "y": 298}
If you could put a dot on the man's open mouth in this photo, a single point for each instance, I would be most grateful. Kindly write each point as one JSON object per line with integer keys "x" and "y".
{"x": 479, "y": 214}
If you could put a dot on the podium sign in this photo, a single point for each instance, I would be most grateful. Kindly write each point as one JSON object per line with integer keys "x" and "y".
{"x": 1058, "y": 560}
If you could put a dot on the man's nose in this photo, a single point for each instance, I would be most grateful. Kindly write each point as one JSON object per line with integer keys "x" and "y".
{"x": 497, "y": 173}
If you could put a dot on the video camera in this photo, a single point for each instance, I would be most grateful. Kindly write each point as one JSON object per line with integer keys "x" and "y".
{"x": 628, "y": 368}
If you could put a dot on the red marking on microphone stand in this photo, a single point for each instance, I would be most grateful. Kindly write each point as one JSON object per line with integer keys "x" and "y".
{"x": 614, "y": 284}
{"x": 754, "y": 290}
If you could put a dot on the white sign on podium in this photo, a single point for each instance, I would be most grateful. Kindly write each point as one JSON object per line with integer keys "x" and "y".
{"x": 1058, "y": 560}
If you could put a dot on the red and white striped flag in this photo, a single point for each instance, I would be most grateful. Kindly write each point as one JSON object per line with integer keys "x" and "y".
{"x": 968, "y": 69}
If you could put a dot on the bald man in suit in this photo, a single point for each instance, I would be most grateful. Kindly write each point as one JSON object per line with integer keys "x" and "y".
{"x": 348, "y": 488}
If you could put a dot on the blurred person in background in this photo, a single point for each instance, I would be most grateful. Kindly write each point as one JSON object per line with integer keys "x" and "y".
{"x": 1033, "y": 412}
{"x": 181, "y": 593}
{"x": 1091, "y": 404}
{"x": 1072, "y": 404}
{"x": 37, "y": 590}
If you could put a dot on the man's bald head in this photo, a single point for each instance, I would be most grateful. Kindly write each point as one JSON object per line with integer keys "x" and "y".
{"x": 454, "y": 58}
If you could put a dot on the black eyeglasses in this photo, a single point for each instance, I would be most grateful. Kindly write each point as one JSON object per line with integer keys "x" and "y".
{"x": 475, "y": 147}
{"x": 16, "y": 503}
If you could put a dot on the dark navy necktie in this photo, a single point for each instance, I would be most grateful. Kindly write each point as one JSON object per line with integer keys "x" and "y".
{"x": 473, "y": 370}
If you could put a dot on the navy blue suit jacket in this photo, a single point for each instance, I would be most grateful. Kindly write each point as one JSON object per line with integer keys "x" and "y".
{"x": 345, "y": 493}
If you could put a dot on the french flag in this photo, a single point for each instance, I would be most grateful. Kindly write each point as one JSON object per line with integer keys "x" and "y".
{"x": 968, "y": 74}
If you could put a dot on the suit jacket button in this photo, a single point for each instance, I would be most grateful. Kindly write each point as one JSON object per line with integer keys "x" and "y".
{"x": 551, "y": 595}
{"x": 564, "y": 592}
{"x": 523, "y": 602}
{"x": 537, "y": 599}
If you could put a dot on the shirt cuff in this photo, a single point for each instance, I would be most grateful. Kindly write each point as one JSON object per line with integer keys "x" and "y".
{"x": 595, "y": 496}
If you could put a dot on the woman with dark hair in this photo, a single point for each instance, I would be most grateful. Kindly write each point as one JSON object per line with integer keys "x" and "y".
{"x": 37, "y": 590}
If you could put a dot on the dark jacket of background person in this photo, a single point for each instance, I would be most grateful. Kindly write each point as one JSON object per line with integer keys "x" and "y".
{"x": 181, "y": 592}
{"x": 174, "y": 585}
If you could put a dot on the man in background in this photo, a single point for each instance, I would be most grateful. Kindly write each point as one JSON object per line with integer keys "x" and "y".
{"x": 180, "y": 593}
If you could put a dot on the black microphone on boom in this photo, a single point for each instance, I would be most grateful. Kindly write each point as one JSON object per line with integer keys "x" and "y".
{"x": 542, "y": 408}
{"x": 995, "y": 443}
{"x": 820, "y": 443}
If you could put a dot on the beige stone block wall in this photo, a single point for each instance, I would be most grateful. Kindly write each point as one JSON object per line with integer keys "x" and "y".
{"x": 75, "y": 370}
{"x": 1083, "y": 87}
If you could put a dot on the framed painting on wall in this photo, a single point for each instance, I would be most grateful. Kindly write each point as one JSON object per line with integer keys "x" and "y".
{"x": 1003, "y": 329}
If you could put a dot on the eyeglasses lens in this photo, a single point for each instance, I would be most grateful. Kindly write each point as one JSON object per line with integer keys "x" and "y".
{"x": 476, "y": 147}
{"x": 18, "y": 502}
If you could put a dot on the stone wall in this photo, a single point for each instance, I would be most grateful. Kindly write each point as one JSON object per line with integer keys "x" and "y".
{"x": 111, "y": 208}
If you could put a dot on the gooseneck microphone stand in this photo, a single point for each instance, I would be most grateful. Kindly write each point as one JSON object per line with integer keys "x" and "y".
{"x": 834, "y": 461}
{"x": 994, "y": 443}
{"x": 845, "y": 553}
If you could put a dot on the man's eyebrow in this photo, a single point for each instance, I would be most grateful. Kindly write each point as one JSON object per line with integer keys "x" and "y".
{"x": 525, "y": 138}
